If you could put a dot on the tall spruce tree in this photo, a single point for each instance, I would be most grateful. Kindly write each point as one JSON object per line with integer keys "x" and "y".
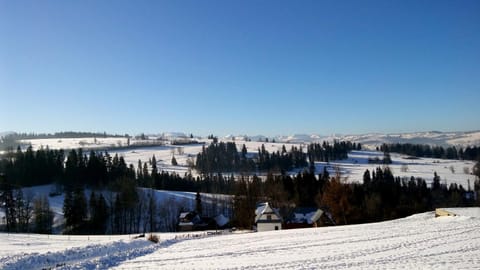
{"x": 43, "y": 215}
{"x": 198, "y": 203}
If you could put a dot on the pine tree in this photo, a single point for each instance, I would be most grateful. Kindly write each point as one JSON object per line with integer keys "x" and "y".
{"x": 43, "y": 215}
{"x": 68, "y": 208}
{"x": 75, "y": 209}
{"x": 8, "y": 203}
{"x": 436, "y": 181}
{"x": 174, "y": 161}
{"x": 198, "y": 203}
{"x": 152, "y": 209}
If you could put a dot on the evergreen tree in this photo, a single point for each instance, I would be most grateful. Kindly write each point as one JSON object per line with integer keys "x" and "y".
{"x": 152, "y": 209}
{"x": 436, "y": 181}
{"x": 7, "y": 202}
{"x": 75, "y": 209}
{"x": 198, "y": 203}
{"x": 43, "y": 215}
{"x": 98, "y": 213}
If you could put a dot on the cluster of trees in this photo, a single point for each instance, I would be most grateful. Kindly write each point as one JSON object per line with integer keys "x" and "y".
{"x": 425, "y": 150}
{"x": 61, "y": 135}
{"x": 24, "y": 212}
{"x": 224, "y": 157}
{"x": 326, "y": 151}
{"x": 219, "y": 157}
{"x": 45, "y": 166}
{"x": 279, "y": 161}
{"x": 28, "y": 168}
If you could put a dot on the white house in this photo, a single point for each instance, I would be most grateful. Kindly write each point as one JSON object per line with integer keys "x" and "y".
{"x": 266, "y": 218}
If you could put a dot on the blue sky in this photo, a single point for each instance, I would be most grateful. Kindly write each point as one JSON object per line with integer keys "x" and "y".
{"x": 239, "y": 67}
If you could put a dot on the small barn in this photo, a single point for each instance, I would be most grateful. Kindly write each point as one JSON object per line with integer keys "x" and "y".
{"x": 266, "y": 218}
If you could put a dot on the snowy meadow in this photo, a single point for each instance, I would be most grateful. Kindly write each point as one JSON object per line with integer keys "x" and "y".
{"x": 420, "y": 241}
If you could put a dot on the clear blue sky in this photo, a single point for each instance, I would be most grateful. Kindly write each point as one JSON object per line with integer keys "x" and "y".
{"x": 239, "y": 67}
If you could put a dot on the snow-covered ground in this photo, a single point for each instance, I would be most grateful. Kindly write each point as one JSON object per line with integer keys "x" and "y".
{"x": 416, "y": 242}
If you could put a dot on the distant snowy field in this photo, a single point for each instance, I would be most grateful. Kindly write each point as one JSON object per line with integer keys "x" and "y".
{"x": 416, "y": 242}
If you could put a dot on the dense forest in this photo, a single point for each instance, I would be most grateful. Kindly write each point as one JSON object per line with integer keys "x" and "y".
{"x": 224, "y": 157}
{"x": 425, "y": 150}
{"x": 120, "y": 198}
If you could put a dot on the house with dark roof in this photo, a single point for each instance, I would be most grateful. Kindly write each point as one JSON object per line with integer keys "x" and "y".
{"x": 303, "y": 217}
{"x": 192, "y": 221}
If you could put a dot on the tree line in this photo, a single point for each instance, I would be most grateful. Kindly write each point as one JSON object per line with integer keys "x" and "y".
{"x": 425, "y": 150}
{"x": 62, "y": 135}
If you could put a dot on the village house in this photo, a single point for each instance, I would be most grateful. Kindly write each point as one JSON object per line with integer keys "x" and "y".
{"x": 192, "y": 221}
{"x": 267, "y": 218}
{"x": 303, "y": 217}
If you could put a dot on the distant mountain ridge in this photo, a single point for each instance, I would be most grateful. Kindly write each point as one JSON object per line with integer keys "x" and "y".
{"x": 456, "y": 138}
{"x": 453, "y": 138}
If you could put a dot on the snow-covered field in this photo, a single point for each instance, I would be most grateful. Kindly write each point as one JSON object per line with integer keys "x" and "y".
{"x": 75, "y": 143}
{"x": 416, "y": 242}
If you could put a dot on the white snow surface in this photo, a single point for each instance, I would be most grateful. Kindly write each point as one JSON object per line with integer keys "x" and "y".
{"x": 417, "y": 242}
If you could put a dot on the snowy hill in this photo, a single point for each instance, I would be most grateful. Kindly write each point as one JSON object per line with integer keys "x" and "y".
{"x": 371, "y": 140}
{"x": 374, "y": 139}
{"x": 416, "y": 242}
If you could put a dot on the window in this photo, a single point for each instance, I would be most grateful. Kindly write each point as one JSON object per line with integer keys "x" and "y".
{"x": 269, "y": 217}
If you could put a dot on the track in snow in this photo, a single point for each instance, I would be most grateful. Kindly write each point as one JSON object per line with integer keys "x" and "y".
{"x": 99, "y": 256}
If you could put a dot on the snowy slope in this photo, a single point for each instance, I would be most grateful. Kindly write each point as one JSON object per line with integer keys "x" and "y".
{"x": 416, "y": 242}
